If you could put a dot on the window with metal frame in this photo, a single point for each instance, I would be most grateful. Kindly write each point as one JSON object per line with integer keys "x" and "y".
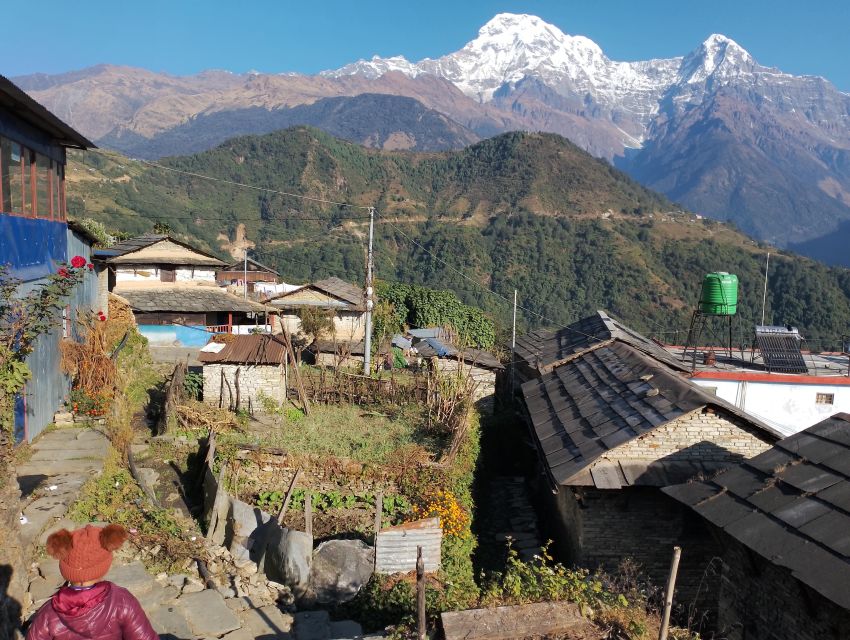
{"x": 825, "y": 398}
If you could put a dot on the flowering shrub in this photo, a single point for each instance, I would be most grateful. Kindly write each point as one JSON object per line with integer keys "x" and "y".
{"x": 22, "y": 320}
{"x": 445, "y": 506}
{"x": 82, "y": 404}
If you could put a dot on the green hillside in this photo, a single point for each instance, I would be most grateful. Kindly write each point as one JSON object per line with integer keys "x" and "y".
{"x": 525, "y": 211}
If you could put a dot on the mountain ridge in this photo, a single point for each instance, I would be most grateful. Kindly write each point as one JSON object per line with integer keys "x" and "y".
{"x": 770, "y": 148}
{"x": 522, "y": 211}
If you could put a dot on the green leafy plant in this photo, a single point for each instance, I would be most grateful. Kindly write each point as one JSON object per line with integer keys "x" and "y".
{"x": 193, "y": 384}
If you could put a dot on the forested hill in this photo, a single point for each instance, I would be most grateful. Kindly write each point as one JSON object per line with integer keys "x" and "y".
{"x": 525, "y": 211}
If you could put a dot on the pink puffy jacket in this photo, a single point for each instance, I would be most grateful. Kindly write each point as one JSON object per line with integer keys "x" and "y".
{"x": 102, "y": 612}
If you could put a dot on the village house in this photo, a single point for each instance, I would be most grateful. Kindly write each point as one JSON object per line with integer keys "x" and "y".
{"x": 234, "y": 275}
{"x": 36, "y": 238}
{"x": 157, "y": 258}
{"x": 344, "y": 301}
{"x": 481, "y": 366}
{"x": 614, "y": 425}
{"x": 782, "y": 522}
{"x": 245, "y": 373}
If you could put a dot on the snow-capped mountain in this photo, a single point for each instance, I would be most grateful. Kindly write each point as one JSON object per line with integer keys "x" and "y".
{"x": 713, "y": 129}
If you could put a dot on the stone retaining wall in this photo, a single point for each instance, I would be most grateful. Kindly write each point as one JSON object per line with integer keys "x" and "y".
{"x": 253, "y": 380}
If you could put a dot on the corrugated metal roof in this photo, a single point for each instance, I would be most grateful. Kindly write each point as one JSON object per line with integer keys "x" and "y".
{"x": 185, "y": 298}
{"x": 22, "y": 105}
{"x": 434, "y": 347}
{"x": 607, "y": 397}
{"x": 790, "y": 504}
{"x": 251, "y": 349}
{"x": 542, "y": 350}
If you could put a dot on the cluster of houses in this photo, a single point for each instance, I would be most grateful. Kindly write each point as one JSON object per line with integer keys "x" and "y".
{"x": 639, "y": 452}
{"x": 640, "y": 448}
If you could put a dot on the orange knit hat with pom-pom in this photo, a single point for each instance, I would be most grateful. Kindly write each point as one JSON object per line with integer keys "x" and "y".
{"x": 85, "y": 554}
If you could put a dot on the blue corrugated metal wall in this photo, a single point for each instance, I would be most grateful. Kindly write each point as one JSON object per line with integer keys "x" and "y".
{"x": 34, "y": 247}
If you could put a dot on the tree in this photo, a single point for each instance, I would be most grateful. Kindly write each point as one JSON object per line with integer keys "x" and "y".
{"x": 317, "y": 322}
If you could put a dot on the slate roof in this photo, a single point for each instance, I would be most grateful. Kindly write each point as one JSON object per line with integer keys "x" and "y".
{"x": 790, "y": 505}
{"x": 22, "y": 105}
{"x": 131, "y": 245}
{"x": 607, "y": 397}
{"x": 185, "y": 299}
{"x": 335, "y": 287}
{"x": 251, "y": 349}
{"x": 542, "y": 350}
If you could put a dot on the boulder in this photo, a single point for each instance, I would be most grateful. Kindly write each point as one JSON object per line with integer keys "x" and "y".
{"x": 288, "y": 558}
{"x": 340, "y": 568}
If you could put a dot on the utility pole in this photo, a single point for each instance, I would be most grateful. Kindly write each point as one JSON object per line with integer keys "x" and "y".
{"x": 367, "y": 346}
{"x": 764, "y": 295}
{"x": 245, "y": 276}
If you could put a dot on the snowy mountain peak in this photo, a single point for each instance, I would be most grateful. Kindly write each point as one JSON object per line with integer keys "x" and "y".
{"x": 374, "y": 68}
{"x": 717, "y": 56}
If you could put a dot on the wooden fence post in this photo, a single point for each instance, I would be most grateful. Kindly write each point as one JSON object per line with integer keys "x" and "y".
{"x": 379, "y": 511}
{"x": 308, "y": 512}
{"x": 420, "y": 594}
{"x": 668, "y": 594}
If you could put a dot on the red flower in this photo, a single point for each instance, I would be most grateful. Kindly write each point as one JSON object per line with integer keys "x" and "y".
{"x": 63, "y": 273}
{"x": 78, "y": 262}
{"x": 90, "y": 266}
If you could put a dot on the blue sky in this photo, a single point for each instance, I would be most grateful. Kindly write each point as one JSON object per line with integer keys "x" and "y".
{"x": 187, "y": 36}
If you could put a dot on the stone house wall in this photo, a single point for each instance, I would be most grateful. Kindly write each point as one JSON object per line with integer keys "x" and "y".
{"x": 597, "y": 528}
{"x": 707, "y": 435}
{"x": 760, "y": 601}
{"x": 253, "y": 379}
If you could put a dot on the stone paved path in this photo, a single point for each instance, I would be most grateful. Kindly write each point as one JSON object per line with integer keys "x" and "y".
{"x": 50, "y": 480}
{"x": 513, "y": 515}
{"x": 192, "y": 612}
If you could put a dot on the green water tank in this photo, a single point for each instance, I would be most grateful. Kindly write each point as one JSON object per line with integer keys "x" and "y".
{"x": 719, "y": 296}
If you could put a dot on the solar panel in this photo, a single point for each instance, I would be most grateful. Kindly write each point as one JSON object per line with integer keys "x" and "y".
{"x": 780, "y": 349}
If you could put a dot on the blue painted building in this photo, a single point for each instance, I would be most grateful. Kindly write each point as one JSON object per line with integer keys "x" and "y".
{"x": 35, "y": 237}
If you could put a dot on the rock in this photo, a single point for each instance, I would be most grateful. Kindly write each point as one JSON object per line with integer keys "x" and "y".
{"x": 177, "y": 580}
{"x": 240, "y": 555}
{"x": 149, "y": 476}
{"x": 132, "y": 577}
{"x": 340, "y": 568}
{"x": 227, "y": 592}
{"x": 345, "y": 629}
{"x": 312, "y": 625}
{"x": 41, "y": 589}
{"x": 268, "y": 620}
{"x": 240, "y": 604}
{"x": 169, "y": 621}
{"x": 289, "y": 557}
{"x": 49, "y": 570}
{"x": 193, "y": 586}
{"x": 207, "y": 614}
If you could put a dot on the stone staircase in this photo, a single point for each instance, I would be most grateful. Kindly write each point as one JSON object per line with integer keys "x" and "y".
{"x": 513, "y": 515}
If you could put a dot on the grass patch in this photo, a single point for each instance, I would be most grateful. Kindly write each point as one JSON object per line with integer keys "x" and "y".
{"x": 114, "y": 497}
{"x": 345, "y": 431}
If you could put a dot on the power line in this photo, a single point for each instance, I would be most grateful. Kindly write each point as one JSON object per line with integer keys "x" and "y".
{"x": 241, "y": 184}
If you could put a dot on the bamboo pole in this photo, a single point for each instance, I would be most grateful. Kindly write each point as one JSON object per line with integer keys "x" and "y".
{"x": 308, "y": 513}
{"x": 288, "y": 497}
{"x": 668, "y": 593}
{"x": 379, "y": 511}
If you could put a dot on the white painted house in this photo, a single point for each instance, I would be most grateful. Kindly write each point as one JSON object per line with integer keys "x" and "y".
{"x": 344, "y": 300}
{"x": 156, "y": 258}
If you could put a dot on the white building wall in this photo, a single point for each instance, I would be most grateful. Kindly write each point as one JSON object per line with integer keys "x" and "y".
{"x": 197, "y": 274}
{"x": 136, "y": 275}
{"x": 349, "y": 326}
{"x": 789, "y": 408}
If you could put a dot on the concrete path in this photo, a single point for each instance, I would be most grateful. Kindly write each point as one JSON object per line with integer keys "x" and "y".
{"x": 61, "y": 462}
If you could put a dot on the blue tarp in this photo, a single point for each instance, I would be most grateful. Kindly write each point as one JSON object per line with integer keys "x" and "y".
{"x": 175, "y": 334}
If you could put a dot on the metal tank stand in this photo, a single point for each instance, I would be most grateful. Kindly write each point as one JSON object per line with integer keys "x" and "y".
{"x": 699, "y": 321}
